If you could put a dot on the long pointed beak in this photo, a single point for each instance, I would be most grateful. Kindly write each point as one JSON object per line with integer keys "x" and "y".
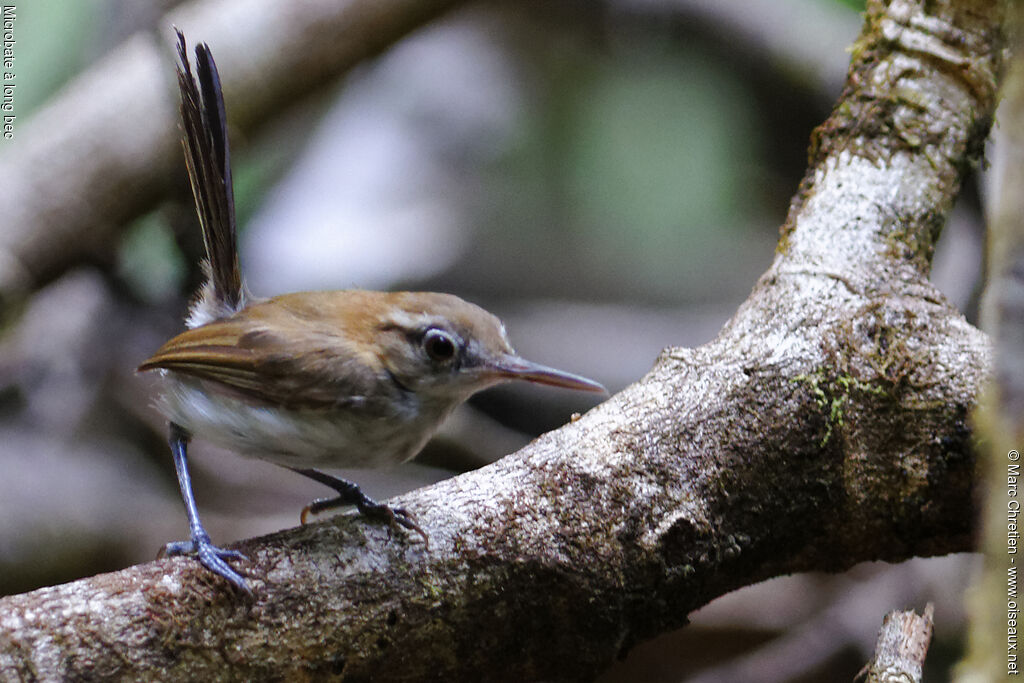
{"x": 514, "y": 367}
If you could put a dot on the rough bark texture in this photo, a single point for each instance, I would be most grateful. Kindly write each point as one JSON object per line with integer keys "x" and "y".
{"x": 107, "y": 148}
{"x": 825, "y": 426}
{"x": 901, "y": 648}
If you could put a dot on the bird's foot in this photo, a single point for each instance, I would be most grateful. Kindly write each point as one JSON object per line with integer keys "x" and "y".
{"x": 211, "y": 557}
{"x": 394, "y": 517}
{"x": 349, "y": 493}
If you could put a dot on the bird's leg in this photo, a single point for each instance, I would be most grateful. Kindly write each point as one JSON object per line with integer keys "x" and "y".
{"x": 350, "y": 494}
{"x": 212, "y": 557}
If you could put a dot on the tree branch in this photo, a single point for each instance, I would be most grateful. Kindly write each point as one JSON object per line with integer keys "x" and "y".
{"x": 825, "y": 426}
{"x": 901, "y": 648}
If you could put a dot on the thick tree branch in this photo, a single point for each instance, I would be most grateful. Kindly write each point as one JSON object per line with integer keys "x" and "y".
{"x": 826, "y": 425}
{"x": 105, "y": 149}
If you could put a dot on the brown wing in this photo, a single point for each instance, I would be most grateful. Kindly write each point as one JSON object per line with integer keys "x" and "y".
{"x": 244, "y": 357}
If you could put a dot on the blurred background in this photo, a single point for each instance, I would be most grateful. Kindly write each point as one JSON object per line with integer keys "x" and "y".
{"x": 608, "y": 178}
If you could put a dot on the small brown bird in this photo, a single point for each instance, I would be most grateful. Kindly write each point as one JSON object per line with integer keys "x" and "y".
{"x": 312, "y": 379}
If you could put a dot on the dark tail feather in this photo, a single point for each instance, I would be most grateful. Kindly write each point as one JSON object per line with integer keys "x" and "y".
{"x": 209, "y": 169}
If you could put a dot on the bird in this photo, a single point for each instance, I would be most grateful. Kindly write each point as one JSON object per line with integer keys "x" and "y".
{"x": 309, "y": 380}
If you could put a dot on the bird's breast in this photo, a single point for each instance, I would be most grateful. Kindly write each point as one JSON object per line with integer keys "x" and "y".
{"x": 359, "y": 433}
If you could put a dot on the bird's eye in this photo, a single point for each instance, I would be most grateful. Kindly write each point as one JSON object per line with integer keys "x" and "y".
{"x": 439, "y": 345}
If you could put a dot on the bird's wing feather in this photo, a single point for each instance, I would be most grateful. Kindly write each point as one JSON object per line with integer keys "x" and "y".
{"x": 262, "y": 365}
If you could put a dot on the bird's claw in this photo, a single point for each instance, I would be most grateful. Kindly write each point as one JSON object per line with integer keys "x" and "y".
{"x": 211, "y": 557}
{"x": 306, "y": 511}
{"x": 394, "y": 517}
